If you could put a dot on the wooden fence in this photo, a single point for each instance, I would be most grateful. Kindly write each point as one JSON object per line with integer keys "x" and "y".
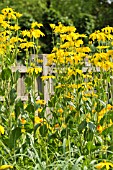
{"x": 45, "y": 87}
{"x": 40, "y": 86}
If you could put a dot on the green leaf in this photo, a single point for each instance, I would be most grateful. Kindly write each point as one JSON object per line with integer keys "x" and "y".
{"x": 64, "y": 145}
{"x": 108, "y": 130}
{"x": 18, "y": 108}
{"x": 88, "y": 135}
{"x": 36, "y": 127}
{"x": 29, "y": 127}
{"x": 82, "y": 126}
{"x": 6, "y": 73}
{"x": 28, "y": 81}
{"x": 110, "y": 148}
{"x": 43, "y": 130}
{"x": 2, "y": 92}
{"x": 30, "y": 108}
{"x": 13, "y": 96}
{"x": 16, "y": 76}
{"x": 90, "y": 146}
{"x": 15, "y": 134}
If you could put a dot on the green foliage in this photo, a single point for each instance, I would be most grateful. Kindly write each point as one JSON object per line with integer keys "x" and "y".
{"x": 51, "y": 16}
{"x": 85, "y": 23}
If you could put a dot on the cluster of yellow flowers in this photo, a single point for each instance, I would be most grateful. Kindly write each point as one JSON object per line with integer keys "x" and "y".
{"x": 69, "y": 50}
{"x": 10, "y": 33}
{"x": 104, "y": 111}
{"x": 35, "y": 70}
{"x": 71, "y": 55}
{"x": 100, "y": 115}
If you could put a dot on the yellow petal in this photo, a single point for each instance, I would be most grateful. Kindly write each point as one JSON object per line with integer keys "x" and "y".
{"x": 5, "y": 167}
{"x": 1, "y": 129}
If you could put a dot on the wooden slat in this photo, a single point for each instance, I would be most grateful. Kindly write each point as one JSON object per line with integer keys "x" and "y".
{"x": 45, "y": 73}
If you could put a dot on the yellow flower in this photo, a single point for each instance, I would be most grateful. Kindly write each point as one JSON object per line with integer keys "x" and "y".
{"x": 100, "y": 128}
{"x": 84, "y": 98}
{"x": 1, "y": 18}
{"x": 88, "y": 117}
{"x": 36, "y": 70}
{"x": 41, "y": 102}
{"x": 47, "y": 77}
{"x": 39, "y": 109}
{"x": 60, "y": 110}
{"x": 37, "y": 33}
{"x": 7, "y": 10}
{"x": 13, "y": 40}
{"x": 5, "y": 25}
{"x": 5, "y": 167}
{"x": 110, "y": 52}
{"x": 18, "y": 15}
{"x": 70, "y": 72}
{"x": 71, "y": 107}
{"x": 39, "y": 60}
{"x": 107, "y": 29}
{"x": 27, "y": 45}
{"x": 109, "y": 107}
{"x": 64, "y": 125}
{"x": 79, "y": 71}
{"x": 13, "y": 114}
{"x": 34, "y": 24}
{"x": 78, "y": 43}
{"x": 102, "y": 164}
{"x": 99, "y": 166}
{"x": 26, "y": 33}
{"x": 30, "y": 70}
{"x": 71, "y": 29}
{"x": 1, "y": 129}
{"x": 15, "y": 27}
{"x": 104, "y": 148}
{"x": 9, "y": 13}
{"x": 38, "y": 120}
{"x": 52, "y": 26}
{"x": 97, "y": 35}
{"x": 23, "y": 121}
{"x": 23, "y": 129}
{"x": 104, "y": 111}
{"x": 56, "y": 126}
